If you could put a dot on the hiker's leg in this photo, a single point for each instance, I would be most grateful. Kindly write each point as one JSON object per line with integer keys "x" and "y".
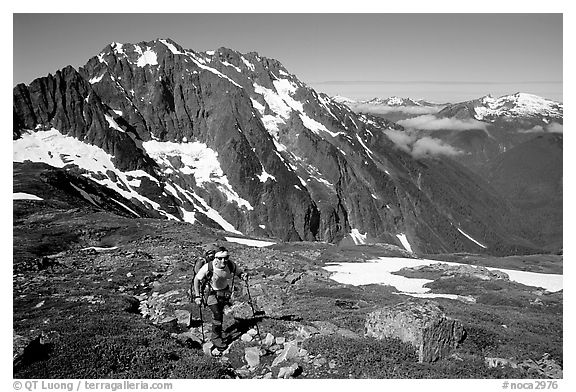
{"x": 217, "y": 320}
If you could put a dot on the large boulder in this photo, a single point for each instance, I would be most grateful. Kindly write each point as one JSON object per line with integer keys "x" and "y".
{"x": 421, "y": 324}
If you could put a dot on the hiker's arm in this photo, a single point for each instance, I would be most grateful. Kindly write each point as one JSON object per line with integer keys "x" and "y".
{"x": 196, "y": 292}
{"x": 197, "y": 279}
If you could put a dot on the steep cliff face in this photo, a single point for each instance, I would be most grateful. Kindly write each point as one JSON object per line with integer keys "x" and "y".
{"x": 236, "y": 140}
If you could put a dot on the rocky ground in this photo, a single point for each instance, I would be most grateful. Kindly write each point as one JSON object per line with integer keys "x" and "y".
{"x": 101, "y": 296}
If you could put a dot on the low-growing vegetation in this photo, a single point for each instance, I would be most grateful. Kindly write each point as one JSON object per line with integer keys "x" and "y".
{"x": 84, "y": 304}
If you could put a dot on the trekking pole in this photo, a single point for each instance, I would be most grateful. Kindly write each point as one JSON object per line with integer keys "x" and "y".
{"x": 252, "y": 306}
{"x": 201, "y": 322}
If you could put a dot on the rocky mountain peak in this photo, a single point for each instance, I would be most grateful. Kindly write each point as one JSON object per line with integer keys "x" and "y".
{"x": 235, "y": 141}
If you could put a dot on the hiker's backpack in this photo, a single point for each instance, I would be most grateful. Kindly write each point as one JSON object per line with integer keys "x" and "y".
{"x": 200, "y": 261}
{"x": 205, "y": 287}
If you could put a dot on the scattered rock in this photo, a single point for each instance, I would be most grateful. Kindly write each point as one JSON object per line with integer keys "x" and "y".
{"x": 304, "y": 332}
{"x": 319, "y": 361}
{"x": 346, "y": 304}
{"x": 275, "y": 347}
{"x": 293, "y": 278}
{"x": 421, "y": 324}
{"x": 268, "y": 340}
{"x": 246, "y": 338}
{"x": 243, "y": 373}
{"x": 183, "y": 316}
{"x": 290, "y": 351}
{"x": 190, "y": 338}
{"x": 207, "y": 348}
{"x": 496, "y": 362}
{"x": 252, "y": 356}
{"x": 545, "y": 367}
{"x": 289, "y": 371}
{"x": 169, "y": 323}
{"x": 549, "y": 368}
{"x": 280, "y": 340}
{"x": 32, "y": 346}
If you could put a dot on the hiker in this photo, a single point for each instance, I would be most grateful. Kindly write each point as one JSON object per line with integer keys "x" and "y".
{"x": 219, "y": 275}
{"x": 209, "y": 253}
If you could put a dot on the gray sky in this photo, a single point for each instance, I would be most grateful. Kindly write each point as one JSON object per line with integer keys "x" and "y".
{"x": 510, "y": 51}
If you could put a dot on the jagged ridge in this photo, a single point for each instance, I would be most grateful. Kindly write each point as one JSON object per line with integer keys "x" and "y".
{"x": 239, "y": 140}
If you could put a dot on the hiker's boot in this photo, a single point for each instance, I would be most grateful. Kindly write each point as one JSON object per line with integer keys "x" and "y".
{"x": 216, "y": 337}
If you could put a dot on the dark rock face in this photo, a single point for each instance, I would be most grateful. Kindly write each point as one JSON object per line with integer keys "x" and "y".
{"x": 423, "y": 325}
{"x": 65, "y": 101}
{"x": 286, "y": 162}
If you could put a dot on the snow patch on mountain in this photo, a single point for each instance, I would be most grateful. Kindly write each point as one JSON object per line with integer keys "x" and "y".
{"x": 24, "y": 196}
{"x": 315, "y": 126}
{"x": 247, "y": 63}
{"x": 359, "y": 239}
{"x": 126, "y": 207}
{"x": 171, "y": 47}
{"x": 471, "y": 239}
{"x": 112, "y": 123}
{"x": 283, "y": 104}
{"x": 274, "y": 101}
{"x": 96, "y": 79}
{"x": 250, "y": 242}
{"x": 197, "y": 160}
{"x": 264, "y": 176}
{"x": 147, "y": 57}
{"x": 53, "y": 148}
{"x": 226, "y": 63}
{"x": 202, "y": 206}
{"x": 200, "y": 63}
{"x": 517, "y": 105}
{"x": 404, "y": 240}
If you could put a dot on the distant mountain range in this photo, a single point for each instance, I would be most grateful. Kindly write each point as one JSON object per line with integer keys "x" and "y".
{"x": 391, "y": 101}
{"x": 392, "y": 108}
{"x": 513, "y": 141}
{"x": 235, "y": 141}
{"x": 520, "y": 108}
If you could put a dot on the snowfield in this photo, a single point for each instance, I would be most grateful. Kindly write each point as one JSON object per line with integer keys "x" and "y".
{"x": 379, "y": 271}
{"x": 249, "y": 242}
{"x": 24, "y": 196}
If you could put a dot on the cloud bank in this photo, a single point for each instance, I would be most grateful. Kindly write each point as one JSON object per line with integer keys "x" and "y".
{"x": 551, "y": 128}
{"x": 432, "y": 123}
{"x": 428, "y": 146}
{"x": 420, "y": 147}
